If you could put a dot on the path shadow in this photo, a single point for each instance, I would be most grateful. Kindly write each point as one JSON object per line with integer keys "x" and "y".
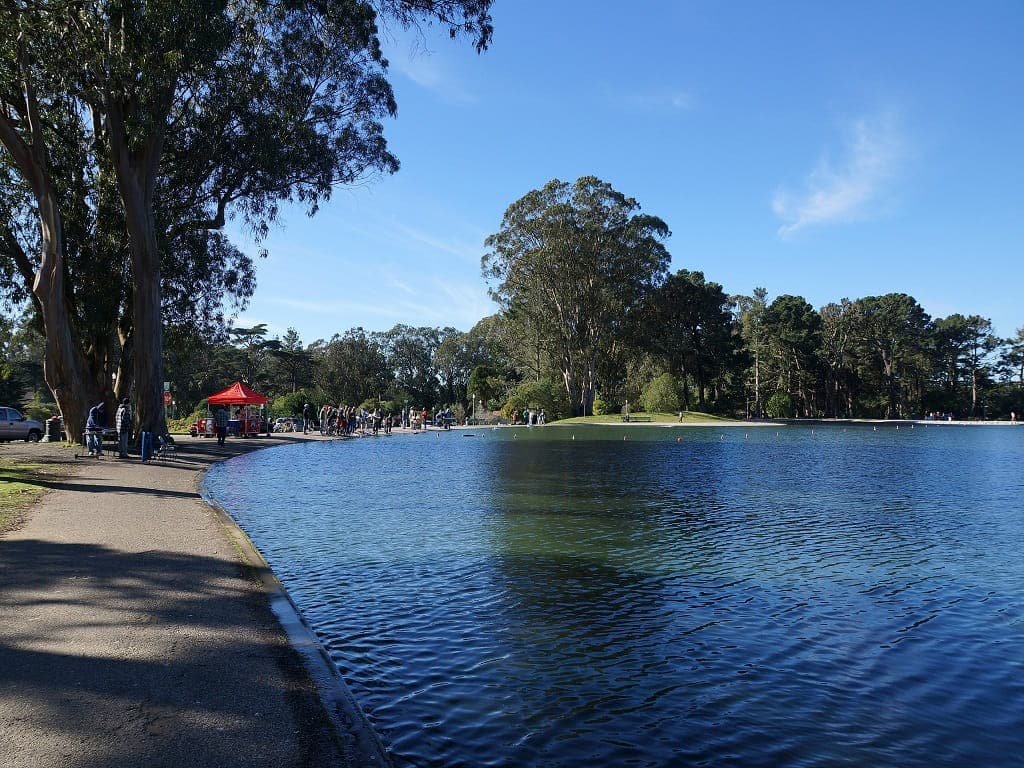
{"x": 135, "y": 659}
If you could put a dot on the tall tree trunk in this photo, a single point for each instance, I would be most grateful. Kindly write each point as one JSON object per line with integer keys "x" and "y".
{"x": 974, "y": 391}
{"x": 64, "y": 366}
{"x": 147, "y": 325}
{"x": 757, "y": 381}
{"x": 136, "y": 171}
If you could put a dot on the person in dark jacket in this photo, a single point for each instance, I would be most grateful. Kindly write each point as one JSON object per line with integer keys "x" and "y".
{"x": 94, "y": 429}
{"x": 220, "y": 419}
{"x": 123, "y": 421}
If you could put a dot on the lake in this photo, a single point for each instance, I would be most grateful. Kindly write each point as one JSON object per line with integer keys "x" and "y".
{"x": 758, "y": 596}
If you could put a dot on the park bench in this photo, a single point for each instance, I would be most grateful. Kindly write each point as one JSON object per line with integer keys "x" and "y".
{"x": 636, "y": 418}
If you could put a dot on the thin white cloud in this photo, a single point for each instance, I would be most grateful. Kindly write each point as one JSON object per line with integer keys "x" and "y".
{"x": 673, "y": 99}
{"x": 431, "y": 72}
{"x": 304, "y": 305}
{"x": 836, "y": 192}
{"x": 453, "y": 247}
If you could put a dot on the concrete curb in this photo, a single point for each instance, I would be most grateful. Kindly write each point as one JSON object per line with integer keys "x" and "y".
{"x": 354, "y": 731}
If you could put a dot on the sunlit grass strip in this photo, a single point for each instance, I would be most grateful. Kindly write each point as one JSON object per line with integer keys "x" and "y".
{"x": 19, "y": 488}
{"x": 655, "y": 418}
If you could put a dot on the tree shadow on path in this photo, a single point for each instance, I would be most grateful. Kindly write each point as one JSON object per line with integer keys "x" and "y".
{"x": 111, "y": 658}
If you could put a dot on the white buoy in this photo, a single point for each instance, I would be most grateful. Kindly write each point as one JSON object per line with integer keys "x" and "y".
{"x": 897, "y": 426}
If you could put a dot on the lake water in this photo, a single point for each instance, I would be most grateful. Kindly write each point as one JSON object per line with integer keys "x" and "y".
{"x": 719, "y": 597}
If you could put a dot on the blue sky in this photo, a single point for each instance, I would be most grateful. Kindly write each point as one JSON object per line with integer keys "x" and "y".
{"x": 811, "y": 148}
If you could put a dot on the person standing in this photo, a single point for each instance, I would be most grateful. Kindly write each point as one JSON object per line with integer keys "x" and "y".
{"x": 124, "y": 422}
{"x": 220, "y": 420}
{"x": 307, "y": 416}
{"x": 94, "y": 427}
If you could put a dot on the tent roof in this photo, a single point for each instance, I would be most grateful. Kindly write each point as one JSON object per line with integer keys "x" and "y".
{"x": 238, "y": 394}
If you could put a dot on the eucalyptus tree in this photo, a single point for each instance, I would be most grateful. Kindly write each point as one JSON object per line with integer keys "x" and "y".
{"x": 576, "y": 260}
{"x": 256, "y": 103}
{"x": 350, "y": 367}
{"x": 838, "y": 356}
{"x": 456, "y": 357}
{"x": 793, "y": 333}
{"x": 410, "y": 352}
{"x": 892, "y": 339}
{"x": 1012, "y": 357}
{"x": 689, "y": 322}
{"x": 42, "y": 139}
{"x": 292, "y": 364}
{"x": 750, "y": 311}
{"x": 981, "y": 344}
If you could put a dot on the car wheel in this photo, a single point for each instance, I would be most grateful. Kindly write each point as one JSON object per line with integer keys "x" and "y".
{"x": 33, "y": 436}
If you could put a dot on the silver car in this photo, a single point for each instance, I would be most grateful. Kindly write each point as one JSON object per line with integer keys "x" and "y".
{"x": 14, "y": 426}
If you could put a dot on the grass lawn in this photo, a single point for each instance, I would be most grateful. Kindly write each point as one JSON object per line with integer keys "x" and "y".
{"x": 19, "y": 487}
{"x": 656, "y": 418}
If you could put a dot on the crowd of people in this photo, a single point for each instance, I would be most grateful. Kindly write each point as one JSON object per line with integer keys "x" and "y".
{"x": 333, "y": 420}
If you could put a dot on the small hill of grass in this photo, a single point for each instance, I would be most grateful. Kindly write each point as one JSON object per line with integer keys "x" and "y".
{"x": 655, "y": 418}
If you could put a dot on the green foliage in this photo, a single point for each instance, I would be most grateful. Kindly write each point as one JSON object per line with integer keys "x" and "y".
{"x": 570, "y": 265}
{"x": 600, "y": 407}
{"x": 40, "y": 409}
{"x": 483, "y": 383}
{"x": 351, "y": 367}
{"x": 291, "y": 403}
{"x": 386, "y": 406}
{"x": 661, "y": 395}
{"x": 780, "y": 406}
{"x": 537, "y": 395}
{"x": 688, "y": 322}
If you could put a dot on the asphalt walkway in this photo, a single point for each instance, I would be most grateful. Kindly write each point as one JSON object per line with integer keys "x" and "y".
{"x": 132, "y": 634}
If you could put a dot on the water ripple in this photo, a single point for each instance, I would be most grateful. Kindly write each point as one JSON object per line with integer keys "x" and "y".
{"x": 835, "y": 597}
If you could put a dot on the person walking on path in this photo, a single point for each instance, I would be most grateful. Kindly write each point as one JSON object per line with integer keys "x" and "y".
{"x": 220, "y": 420}
{"x": 94, "y": 427}
{"x": 124, "y": 422}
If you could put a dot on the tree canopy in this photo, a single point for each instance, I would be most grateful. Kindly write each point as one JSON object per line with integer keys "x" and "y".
{"x": 572, "y": 262}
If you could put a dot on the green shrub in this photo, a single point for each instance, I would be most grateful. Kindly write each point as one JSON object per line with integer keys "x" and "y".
{"x": 539, "y": 395}
{"x": 600, "y": 407}
{"x": 661, "y": 395}
{"x": 780, "y": 406}
{"x": 291, "y": 404}
{"x": 40, "y": 410}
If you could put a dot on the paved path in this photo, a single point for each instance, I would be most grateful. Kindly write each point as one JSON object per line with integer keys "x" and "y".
{"x": 132, "y": 635}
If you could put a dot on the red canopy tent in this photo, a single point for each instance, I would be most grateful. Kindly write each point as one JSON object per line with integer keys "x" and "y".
{"x": 238, "y": 393}
{"x": 241, "y": 394}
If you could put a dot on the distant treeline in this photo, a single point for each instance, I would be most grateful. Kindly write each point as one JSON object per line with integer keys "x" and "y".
{"x": 590, "y": 319}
